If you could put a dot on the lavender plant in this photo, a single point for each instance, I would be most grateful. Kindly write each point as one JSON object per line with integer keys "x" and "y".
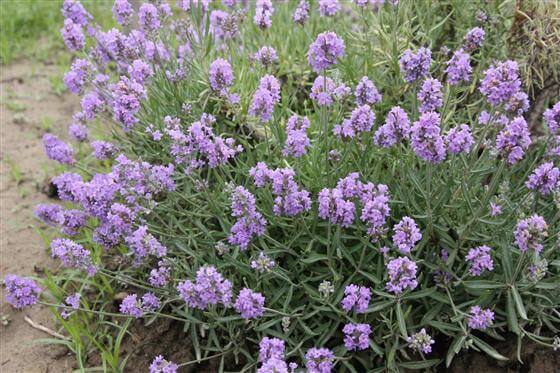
{"x": 343, "y": 196}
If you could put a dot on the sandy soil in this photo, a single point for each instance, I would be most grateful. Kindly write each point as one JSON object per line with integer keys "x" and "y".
{"x": 27, "y": 105}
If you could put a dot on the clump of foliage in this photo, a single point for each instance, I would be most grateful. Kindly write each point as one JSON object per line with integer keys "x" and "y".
{"x": 328, "y": 186}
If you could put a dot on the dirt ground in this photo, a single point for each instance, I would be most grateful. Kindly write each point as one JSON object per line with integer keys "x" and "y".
{"x": 28, "y": 107}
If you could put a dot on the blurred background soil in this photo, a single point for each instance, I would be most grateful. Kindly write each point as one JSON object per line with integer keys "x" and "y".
{"x": 29, "y": 108}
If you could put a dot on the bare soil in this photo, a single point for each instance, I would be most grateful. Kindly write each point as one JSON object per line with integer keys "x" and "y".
{"x": 27, "y": 106}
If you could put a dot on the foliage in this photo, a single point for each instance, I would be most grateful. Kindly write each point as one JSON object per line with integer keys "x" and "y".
{"x": 470, "y": 198}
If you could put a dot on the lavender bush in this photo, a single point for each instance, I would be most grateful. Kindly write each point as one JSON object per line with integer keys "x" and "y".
{"x": 305, "y": 186}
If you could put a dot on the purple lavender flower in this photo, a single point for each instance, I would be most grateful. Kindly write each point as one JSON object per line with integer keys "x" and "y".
{"x": 260, "y": 174}
{"x": 131, "y": 306}
{"x": 459, "y": 67}
{"x": 141, "y": 181}
{"x": 297, "y": 141}
{"x": 122, "y": 12}
{"x": 21, "y": 292}
{"x": 115, "y": 225}
{"x": 249, "y": 304}
{"x": 479, "y": 260}
{"x": 319, "y": 360}
{"x": 356, "y": 336}
{"x": 72, "y": 221}
{"x": 230, "y": 3}
{"x": 139, "y": 71}
{"x": 474, "y": 38}
{"x": 210, "y": 288}
{"x": 361, "y": 120}
{"x": 150, "y": 303}
{"x": 545, "y": 178}
{"x": 142, "y": 244}
{"x": 72, "y": 255}
{"x": 73, "y": 36}
{"x": 250, "y": 222}
{"x": 78, "y": 131}
{"x": 357, "y": 297}
{"x": 396, "y": 128}
{"x": 264, "y": 99}
{"x": 328, "y": 8}
{"x": 67, "y": 186}
{"x": 430, "y": 95}
{"x": 518, "y": 103}
{"x": 49, "y": 213}
{"x": 271, "y": 348}
{"x": 262, "y": 105}
{"x": 406, "y": 235}
{"x": 156, "y": 51}
{"x": 402, "y": 275}
{"x": 221, "y": 75}
{"x": 495, "y": 209}
{"x": 271, "y": 84}
{"x": 421, "y": 342}
{"x": 530, "y": 232}
{"x": 76, "y": 78}
{"x": 75, "y": 11}
{"x": 334, "y": 207}
{"x": 103, "y": 150}
{"x": 159, "y": 364}
{"x": 72, "y": 303}
{"x": 92, "y": 103}
{"x": 273, "y": 365}
{"x": 427, "y": 142}
{"x": 266, "y": 56}
{"x": 367, "y": 93}
{"x": 415, "y": 65}
{"x": 160, "y": 276}
{"x": 325, "y": 51}
{"x": 96, "y": 196}
{"x": 375, "y": 209}
{"x": 500, "y": 82}
{"x": 552, "y": 118}
{"x": 57, "y": 150}
{"x": 263, "y": 263}
{"x": 301, "y": 14}
{"x": 513, "y": 140}
{"x": 459, "y": 139}
{"x": 165, "y": 10}
{"x": 218, "y": 20}
{"x": 480, "y": 318}
{"x": 200, "y": 146}
{"x": 263, "y": 12}
{"x": 322, "y": 91}
{"x": 127, "y": 95}
{"x": 148, "y": 17}
{"x": 350, "y": 186}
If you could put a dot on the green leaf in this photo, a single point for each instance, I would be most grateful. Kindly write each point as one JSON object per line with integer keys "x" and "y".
{"x": 488, "y": 349}
{"x": 379, "y": 306}
{"x": 454, "y": 349}
{"x": 519, "y": 303}
{"x": 483, "y": 284}
{"x": 400, "y": 319}
{"x": 314, "y": 258}
{"x": 511, "y": 315}
{"x": 421, "y": 294}
{"x": 422, "y": 364}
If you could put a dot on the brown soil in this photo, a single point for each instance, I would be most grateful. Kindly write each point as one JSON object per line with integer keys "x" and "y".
{"x": 536, "y": 359}
{"x": 27, "y": 104}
